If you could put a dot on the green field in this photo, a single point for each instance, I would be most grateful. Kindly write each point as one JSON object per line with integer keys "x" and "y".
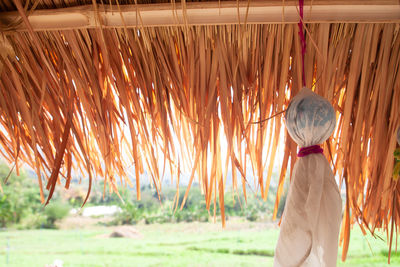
{"x": 180, "y": 244}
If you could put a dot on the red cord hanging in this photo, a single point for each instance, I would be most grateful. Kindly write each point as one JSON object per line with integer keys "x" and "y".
{"x": 302, "y": 40}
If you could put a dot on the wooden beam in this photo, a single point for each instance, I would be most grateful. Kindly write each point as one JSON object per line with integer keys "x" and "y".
{"x": 208, "y": 13}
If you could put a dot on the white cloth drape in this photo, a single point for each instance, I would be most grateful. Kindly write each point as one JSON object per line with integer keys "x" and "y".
{"x": 311, "y": 220}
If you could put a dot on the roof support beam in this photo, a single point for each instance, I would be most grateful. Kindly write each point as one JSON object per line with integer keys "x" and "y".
{"x": 208, "y": 13}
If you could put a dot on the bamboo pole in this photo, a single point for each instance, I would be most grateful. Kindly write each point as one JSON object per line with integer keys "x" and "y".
{"x": 210, "y": 13}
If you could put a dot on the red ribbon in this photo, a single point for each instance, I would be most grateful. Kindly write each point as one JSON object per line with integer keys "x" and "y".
{"x": 302, "y": 40}
{"x": 305, "y": 151}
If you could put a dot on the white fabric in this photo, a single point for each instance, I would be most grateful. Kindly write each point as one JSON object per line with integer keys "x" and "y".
{"x": 310, "y": 118}
{"x": 311, "y": 219}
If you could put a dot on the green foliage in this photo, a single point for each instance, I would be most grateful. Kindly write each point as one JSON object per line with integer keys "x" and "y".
{"x": 19, "y": 199}
{"x": 130, "y": 214}
{"x": 20, "y": 204}
{"x": 162, "y": 209}
{"x": 6, "y": 211}
{"x": 56, "y": 210}
{"x": 252, "y": 215}
{"x": 33, "y": 221}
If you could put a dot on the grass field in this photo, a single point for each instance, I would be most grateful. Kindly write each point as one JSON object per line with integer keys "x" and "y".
{"x": 183, "y": 244}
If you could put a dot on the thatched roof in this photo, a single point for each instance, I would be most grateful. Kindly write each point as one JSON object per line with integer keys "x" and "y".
{"x": 68, "y": 95}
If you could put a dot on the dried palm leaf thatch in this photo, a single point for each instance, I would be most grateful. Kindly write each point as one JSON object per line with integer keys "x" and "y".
{"x": 99, "y": 100}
